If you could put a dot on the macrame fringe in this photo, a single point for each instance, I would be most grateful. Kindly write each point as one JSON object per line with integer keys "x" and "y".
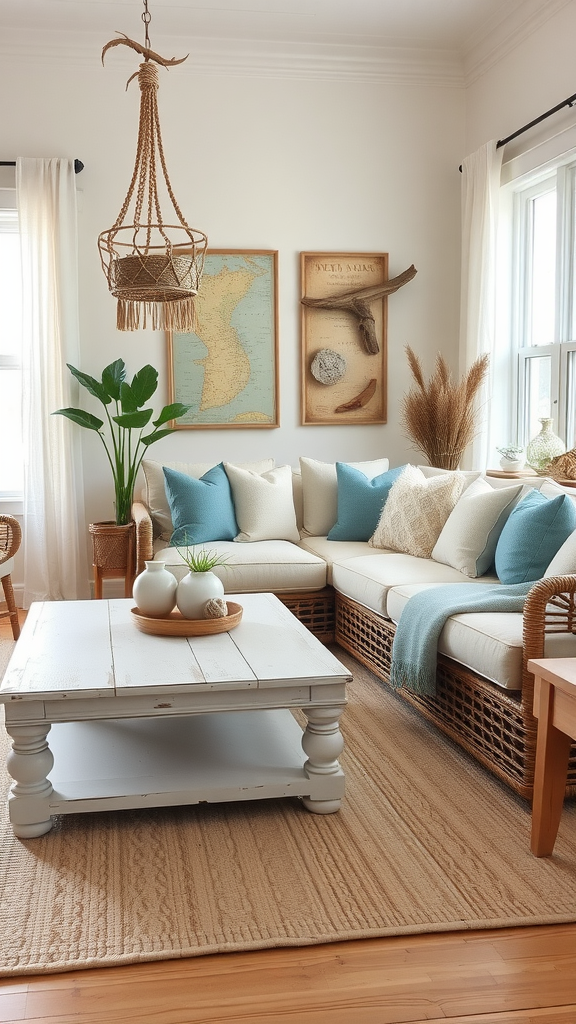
{"x": 180, "y": 315}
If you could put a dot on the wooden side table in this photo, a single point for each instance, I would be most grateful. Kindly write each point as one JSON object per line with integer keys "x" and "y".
{"x": 555, "y": 709}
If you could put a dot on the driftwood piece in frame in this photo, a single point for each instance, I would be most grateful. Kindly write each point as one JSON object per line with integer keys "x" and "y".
{"x": 333, "y": 344}
{"x": 227, "y": 370}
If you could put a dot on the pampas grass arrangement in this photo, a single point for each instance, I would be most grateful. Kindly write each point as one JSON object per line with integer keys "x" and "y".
{"x": 440, "y": 417}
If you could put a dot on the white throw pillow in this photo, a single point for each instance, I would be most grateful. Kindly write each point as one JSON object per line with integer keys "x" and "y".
{"x": 320, "y": 492}
{"x": 469, "y": 537}
{"x": 155, "y": 493}
{"x": 264, "y": 503}
{"x": 564, "y": 561}
{"x": 416, "y": 510}
{"x": 470, "y": 475}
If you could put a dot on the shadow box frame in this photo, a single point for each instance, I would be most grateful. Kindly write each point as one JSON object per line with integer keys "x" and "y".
{"x": 271, "y": 356}
{"x": 327, "y": 275}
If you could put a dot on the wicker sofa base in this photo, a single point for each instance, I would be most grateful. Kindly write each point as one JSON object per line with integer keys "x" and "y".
{"x": 488, "y": 722}
{"x": 315, "y": 609}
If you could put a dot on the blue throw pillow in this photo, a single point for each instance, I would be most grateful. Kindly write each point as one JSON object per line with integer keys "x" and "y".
{"x": 534, "y": 531}
{"x": 360, "y": 501}
{"x": 202, "y": 510}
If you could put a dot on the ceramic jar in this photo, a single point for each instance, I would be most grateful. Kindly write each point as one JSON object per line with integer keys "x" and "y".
{"x": 194, "y": 590}
{"x": 154, "y": 590}
{"x": 544, "y": 447}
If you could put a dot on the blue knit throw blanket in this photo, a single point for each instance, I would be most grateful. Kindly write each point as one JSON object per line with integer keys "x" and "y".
{"x": 415, "y": 647}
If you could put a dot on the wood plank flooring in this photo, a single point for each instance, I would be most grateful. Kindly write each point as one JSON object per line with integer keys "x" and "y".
{"x": 507, "y": 976}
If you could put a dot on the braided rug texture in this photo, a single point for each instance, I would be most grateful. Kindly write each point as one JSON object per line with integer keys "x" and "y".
{"x": 425, "y": 841}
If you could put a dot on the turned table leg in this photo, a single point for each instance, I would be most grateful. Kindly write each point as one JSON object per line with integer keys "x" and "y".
{"x": 322, "y": 742}
{"x": 29, "y": 762}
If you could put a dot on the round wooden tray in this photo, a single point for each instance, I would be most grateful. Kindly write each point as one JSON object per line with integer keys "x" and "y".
{"x": 176, "y": 625}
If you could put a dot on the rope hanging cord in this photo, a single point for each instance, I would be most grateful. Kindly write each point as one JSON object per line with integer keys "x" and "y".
{"x": 153, "y": 268}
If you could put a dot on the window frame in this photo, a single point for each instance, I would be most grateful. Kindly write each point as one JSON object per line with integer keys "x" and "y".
{"x": 560, "y": 177}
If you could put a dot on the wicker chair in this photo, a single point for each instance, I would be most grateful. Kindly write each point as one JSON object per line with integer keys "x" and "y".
{"x": 10, "y": 538}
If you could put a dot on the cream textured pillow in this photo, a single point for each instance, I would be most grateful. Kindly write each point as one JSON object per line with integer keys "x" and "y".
{"x": 416, "y": 511}
{"x": 320, "y": 492}
{"x": 469, "y": 537}
{"x": 264, "y": 503}
{"x": 155, "y": 493}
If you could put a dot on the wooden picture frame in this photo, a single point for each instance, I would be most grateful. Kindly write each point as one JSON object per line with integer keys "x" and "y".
{"x": 227, "y": 370}
{"x": 342, "y": 382}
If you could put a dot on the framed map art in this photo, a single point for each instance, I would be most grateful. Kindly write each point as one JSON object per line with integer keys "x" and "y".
{"x": 227, "y": 370}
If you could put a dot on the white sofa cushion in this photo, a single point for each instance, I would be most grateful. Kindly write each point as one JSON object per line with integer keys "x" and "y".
{"x": 416, "y": 510}
{"x": 335, "y": 549}
{"x": 264, "y": 504}
{"x": 155, "y": 493}
{"x": 276, "y": 566}
{"x": 469, "y": 536}
{"x": 489, "y": 643}
{"x": 367, "y": 579}
{"x": 320, "y": 492}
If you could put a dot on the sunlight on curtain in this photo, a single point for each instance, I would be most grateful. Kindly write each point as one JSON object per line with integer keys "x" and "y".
{"x": 480, "y": 202}
{"x": 55, "y": 556}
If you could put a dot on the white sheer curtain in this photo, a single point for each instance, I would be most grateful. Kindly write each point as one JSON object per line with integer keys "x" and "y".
{"x": 55, "y": 557}
{"x": 480, "y": 203}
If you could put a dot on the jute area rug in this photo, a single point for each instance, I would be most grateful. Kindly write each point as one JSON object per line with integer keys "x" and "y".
{"x": 425, "y": 841}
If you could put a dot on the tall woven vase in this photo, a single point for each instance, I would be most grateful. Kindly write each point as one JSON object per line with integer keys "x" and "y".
{"x": 544, "y": 447}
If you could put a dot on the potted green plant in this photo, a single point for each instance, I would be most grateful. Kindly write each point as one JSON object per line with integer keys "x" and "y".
{"x": 125, "y": 444}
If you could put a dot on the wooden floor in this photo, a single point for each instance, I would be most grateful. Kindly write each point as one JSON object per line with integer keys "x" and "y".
{"x": 508, "y": 976}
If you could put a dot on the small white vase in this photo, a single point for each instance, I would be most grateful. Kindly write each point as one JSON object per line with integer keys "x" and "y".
{"x": 194, "y": 590}
{"x": 512, "y": 465}
{"x": 155, "y": 590}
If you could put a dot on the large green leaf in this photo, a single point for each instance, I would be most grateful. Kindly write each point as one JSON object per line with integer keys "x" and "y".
{"x": 84, "y": 419}
{"x": 144, "y": 384}
{"x": 128, "y": 398}
{"x": 91, "y": 384}
{"x": 112, "y": 377}
{"x": 133, "y": 419}
{"x": 155, "y": 436}
{"x": 171, "y": 412}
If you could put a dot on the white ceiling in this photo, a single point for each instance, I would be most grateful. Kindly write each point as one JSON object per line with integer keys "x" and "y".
{"x": 454, "y": 25}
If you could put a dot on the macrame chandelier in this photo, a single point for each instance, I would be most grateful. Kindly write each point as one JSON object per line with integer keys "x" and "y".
{"x": 153, "y": 268}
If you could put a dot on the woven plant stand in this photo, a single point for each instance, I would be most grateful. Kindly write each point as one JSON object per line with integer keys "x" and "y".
{"x": 495, "y": 726}
{"x": 114, "y": 554}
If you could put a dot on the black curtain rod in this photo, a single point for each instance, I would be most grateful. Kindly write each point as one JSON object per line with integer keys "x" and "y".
{"x": 78, "y": 165}
{"x": 565, "y": 103}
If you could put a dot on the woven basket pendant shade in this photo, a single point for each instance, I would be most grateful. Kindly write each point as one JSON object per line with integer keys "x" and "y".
{"x": 153, "y": 268}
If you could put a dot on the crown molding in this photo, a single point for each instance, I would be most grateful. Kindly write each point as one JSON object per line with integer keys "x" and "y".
{"x": 504, "y": 34}
{"x": 249, "y": 58}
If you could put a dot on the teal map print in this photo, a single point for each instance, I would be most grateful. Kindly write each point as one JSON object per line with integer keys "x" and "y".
{"x": 226, "y": 369}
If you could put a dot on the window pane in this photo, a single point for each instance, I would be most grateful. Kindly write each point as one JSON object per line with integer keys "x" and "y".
{"x": 10, "y": 286}
{"x": 542, "y": 297}
{"x": 570, "y": 385}
{"x": 538, "y": 392}
{"x": 11, "y": 476}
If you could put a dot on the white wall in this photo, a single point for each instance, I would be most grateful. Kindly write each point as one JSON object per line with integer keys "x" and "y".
{"x": 297, "y": 163}
{"x": 532, "y": 75}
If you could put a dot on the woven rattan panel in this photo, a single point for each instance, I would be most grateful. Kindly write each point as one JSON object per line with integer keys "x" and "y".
{"x": 315, "y": 610}
{"x": 489, "y": 723}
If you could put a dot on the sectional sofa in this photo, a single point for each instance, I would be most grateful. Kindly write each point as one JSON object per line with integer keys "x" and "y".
{"x": 306, "y": 535}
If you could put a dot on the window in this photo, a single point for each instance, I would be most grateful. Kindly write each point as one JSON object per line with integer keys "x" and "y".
{"x": 544, "y": 310}
{"x": 11, "y": 480}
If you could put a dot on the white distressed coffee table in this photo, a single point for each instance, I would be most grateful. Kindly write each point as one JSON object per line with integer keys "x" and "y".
{"x": 145, "y": 721}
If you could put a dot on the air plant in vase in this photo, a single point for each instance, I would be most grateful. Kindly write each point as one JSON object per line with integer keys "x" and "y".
{"x": 440, "y": 416}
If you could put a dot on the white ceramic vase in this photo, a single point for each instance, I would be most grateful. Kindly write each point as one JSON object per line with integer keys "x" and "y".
{"x": 512, "y": 465}
{"x": 194, "y": 590}
{"x": 155, "y": 590}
